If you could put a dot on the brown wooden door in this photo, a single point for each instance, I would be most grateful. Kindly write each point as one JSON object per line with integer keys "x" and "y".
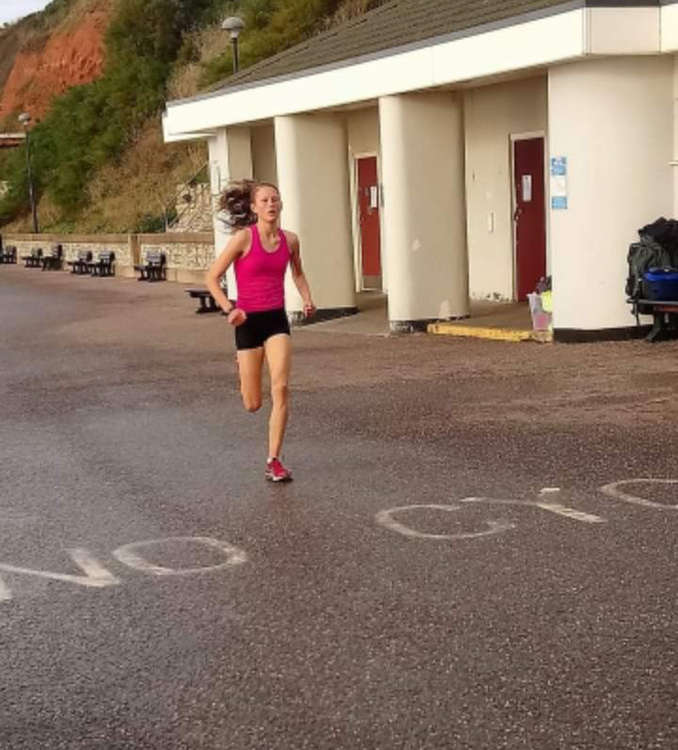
{"x": 370, "y": 230}
{"x": 530, "y": 214}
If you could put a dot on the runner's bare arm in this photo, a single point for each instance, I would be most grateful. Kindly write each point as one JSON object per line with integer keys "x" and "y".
{"x": 298, "y": 275}
{"x": 237, "y": 245}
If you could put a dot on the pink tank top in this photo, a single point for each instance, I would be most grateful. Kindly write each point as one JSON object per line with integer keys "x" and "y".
{"x": 260, "y": 275}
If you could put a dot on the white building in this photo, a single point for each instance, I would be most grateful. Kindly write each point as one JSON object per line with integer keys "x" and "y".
{"x": 414, "y": 147}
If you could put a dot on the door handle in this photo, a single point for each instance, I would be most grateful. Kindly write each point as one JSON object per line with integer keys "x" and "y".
{"x": 517, "y": 213}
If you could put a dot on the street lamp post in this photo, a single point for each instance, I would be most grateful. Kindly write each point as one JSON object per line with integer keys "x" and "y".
{"x": 24, "y": 119}
{"x": 234, "y": 26}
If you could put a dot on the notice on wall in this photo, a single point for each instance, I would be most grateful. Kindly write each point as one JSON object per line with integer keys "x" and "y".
{"x": 559, "y": 182}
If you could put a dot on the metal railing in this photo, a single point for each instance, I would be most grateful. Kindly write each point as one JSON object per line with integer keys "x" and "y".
{"x": 186, "y": 188}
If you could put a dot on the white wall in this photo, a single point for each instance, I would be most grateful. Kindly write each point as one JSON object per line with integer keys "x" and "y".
{"x": 613, "y": 120}
{"x": 623, "y": 31}
{"x": 363, "y": 131}
{"x": 675, "y": 136}
{"x": 492, "y": 114}
{"x": 239, "y": 141}
{"x": 424, "y": 208}
{"x": 263, "y": 154}
{"x": 314, "y": 185}
{"x": 669, "y": 28}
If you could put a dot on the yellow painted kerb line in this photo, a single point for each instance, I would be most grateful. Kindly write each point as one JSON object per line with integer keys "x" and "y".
{"x": 498, "y": 334}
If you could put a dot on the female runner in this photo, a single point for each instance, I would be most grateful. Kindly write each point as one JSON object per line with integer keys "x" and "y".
{"x": 261, "y": 252}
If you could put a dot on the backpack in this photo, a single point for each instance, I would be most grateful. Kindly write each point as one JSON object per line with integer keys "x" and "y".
{"x": 641, "y": 257}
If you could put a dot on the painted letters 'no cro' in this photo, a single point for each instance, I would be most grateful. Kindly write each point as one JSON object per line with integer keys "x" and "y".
{"x": 95, "y": 575}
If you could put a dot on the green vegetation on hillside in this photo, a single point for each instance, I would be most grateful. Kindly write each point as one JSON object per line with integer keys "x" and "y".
{"x": 271, "y": 26}
{"x": 90, "y": 127}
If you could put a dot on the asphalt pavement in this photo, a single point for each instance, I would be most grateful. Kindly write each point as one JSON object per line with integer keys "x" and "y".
{"x": 477, "y": 550}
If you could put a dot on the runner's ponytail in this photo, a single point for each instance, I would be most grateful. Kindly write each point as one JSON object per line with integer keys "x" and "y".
{"x": 236, "y": 201}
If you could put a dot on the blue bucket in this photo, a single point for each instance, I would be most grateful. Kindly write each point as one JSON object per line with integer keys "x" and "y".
{"x": 661, "y": 284}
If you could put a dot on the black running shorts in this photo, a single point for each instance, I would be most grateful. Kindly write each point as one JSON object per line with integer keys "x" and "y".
{"x": 260, "y": 326}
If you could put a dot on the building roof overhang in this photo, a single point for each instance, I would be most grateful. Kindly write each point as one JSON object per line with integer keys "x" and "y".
{"x": 536, "y": 39}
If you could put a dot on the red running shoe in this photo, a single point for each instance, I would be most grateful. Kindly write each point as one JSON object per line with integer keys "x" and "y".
{"x": 276, "y": 472}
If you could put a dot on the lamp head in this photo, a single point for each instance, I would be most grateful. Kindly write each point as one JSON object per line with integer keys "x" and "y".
{"x": 233, "y": 25}
{"x": 24, "y": 118}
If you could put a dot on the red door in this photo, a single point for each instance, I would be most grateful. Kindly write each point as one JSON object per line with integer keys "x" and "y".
{"x": 530, "y": 214}
{"x": 368, "y": 204}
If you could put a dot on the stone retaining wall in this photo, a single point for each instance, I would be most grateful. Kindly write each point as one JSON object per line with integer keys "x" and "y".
{"x": 188, "y": 255}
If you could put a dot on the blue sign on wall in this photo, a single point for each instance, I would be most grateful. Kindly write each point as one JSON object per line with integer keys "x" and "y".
{"x": 559, "y": 182}
{"x": 559, "y": 166}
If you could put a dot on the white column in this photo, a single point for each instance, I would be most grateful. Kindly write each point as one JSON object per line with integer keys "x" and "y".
{"x": 422, "y": 149}
{"x": 312, "y": 167}
{"x": 675, "y": 136}
{"x": 613, "y": 120}
{"x": 230, "y": 158}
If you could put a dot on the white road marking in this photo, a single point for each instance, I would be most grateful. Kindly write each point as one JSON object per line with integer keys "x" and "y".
{"x": 613, "y": 490}
{"x": 549, "y": 490}
{"x": 557, "y": 508}
{"x": 92, "y": 567}
{"x": 96, "y": 576}
{"x": 577, "y": 515}
{"x": 5, "y": 591}
{"x": 127, "y": 555}
{"x": 16, "y": 519}
{"x": 385, "y": 518}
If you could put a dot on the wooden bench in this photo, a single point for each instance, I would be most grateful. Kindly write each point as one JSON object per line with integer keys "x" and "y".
{"x": 103, "y": 265}
{"x": 8, "y": 255}
{"x": 79, "y": 265}
{"x": 207, "y": 302}
{"x": 34, "y": 260}
{"x": 54, "y": 260}
{"x": 664, "y": 313}
{"x": 154, "y": 268}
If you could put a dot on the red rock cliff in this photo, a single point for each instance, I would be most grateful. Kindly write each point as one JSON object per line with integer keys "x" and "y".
{"x": 68, "y": 57}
